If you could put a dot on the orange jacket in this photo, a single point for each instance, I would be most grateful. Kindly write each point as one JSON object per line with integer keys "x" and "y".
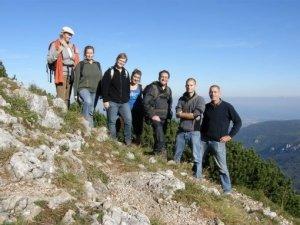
{"x": 58, "y": 76}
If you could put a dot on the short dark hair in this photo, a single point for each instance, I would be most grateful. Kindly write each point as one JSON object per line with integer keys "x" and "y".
{"x": 191, "y": 79}
{"x": 136, "y": 71}
{"x": 214, "y": 86}
{"x": 122, "y": 56}
{"x": 87, "y": 48}
{"x": 163, "y": 71}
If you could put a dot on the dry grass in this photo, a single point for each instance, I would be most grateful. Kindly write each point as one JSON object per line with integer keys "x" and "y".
{"x": 5, "y": 155}
{"x": 219, "y": 207}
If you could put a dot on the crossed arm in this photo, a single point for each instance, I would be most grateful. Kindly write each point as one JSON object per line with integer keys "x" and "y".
{"x": 185, "y": 115}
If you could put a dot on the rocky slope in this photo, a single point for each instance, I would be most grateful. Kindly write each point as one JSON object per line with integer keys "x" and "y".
{"x": 55, "y": 170}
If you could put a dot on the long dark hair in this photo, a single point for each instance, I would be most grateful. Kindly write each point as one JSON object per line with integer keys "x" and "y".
{"x": 136, "y": 71}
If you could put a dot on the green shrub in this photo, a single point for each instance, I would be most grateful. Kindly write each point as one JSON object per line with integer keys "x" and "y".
{"x": 99, "y": 119}
{"x": 2, "y": 70}
{"x": 248, "y": 169}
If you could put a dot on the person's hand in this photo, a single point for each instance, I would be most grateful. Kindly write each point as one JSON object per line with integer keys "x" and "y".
{"x": 63, "y": 42}
{"x": 225, "y": 139}
{"x": 106, "y": 105}
{"x": 178, "y": 115}
{"x": 155, "y": 118}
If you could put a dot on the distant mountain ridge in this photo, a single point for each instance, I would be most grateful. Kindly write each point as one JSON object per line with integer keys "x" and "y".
{"x": 277, "y": 140}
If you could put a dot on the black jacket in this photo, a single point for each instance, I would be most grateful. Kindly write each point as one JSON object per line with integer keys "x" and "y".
{"x": 158, "y": 101}
{"x": 217, "y": 119}
{"x": 116, "y": 86}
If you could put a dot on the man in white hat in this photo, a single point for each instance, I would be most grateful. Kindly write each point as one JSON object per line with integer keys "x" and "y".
{"x": 62, "y": 58}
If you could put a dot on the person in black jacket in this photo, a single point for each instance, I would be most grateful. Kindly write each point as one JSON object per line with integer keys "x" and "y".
{"x": 214, "y": 131}
{"x": 116, "y": 94}
{"x": 157, "y": 107}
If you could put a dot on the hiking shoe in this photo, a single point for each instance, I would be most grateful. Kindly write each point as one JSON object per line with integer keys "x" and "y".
{"x": 227, "y": 193}
{"x": 162, "y": 152}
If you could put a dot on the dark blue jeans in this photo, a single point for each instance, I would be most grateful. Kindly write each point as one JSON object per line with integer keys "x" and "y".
{"x": 88, "y": 99}
{"x": 112, "y": 114}
{"x": 192, "y": 137}
{"x": 219, "y": 154}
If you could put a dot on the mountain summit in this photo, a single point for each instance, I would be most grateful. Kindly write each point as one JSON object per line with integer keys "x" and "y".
{"x": 55, "y": 170}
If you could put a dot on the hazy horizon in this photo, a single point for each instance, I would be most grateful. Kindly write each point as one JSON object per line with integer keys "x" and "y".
{"x": 257, "y": 109}
{"x": 249, "y": 48}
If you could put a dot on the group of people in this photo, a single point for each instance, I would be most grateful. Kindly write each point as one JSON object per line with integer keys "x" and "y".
{"x": 204, "y": 126}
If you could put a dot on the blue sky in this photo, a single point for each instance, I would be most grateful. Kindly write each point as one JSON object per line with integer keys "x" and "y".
{"x": 250, "y": 48}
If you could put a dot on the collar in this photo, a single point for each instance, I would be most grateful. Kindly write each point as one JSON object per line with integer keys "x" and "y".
{"x": 187, "y": 96}
{"x": 160, "y": 85}
{"x": 216, "y": 104}
{"x": 115, "y": 68}
{"x": 86, "y": 61}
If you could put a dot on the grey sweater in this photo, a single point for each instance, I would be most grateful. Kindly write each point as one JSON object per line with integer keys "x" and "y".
{"x": 90, "y": 77}
{"x": 195, "y": 105}
{"x": 67, "y": 59}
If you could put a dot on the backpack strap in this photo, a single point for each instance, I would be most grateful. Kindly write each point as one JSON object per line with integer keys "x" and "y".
{"x": 81, "y": 64}
{"x": 49, "y": 67}
{"x": 126, "y": 72}
{"x": 112, "y": 71}
{"x": 50, "y": 45}
{"x": 98, "y": 64}
{"x": 140, "y": 87}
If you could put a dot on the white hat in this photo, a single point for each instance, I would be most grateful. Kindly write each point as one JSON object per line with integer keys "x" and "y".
{"x": 67, "y": 30}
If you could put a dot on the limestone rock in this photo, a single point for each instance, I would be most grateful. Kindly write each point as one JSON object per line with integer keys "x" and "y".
{"x": 18, "y": 130}
{"x": 171, "y": 162}
{"x": 141, "y": 166}
{"x": 152, "y": 160}
{"x": 116, "y": 216}
{"x": 6, "y": 118}
{"x": 162, "y": 183}
{"x": 3, "y": 103}
{"x": 73, "y": 142}
{"x": 211, "y": 190}
{"x": 130, "y": 156}
{"x": 60, "y": 104}
{"x": 18, "y": 205}
{"x": 102, "y": 134}
{"x": 267, "y": 212}
{"x": 38, "y": 104}
{"x": 68, "y": 218}
{"x": 32, "y": 163}
{"x": 51, "y": 120}
{"x": 8, "y": 141}
{"x": 60, "y": 199}
{"x": 90, "y": 192}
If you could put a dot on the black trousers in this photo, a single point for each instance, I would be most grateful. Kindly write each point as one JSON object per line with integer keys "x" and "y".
{"x": 159, "y": 130}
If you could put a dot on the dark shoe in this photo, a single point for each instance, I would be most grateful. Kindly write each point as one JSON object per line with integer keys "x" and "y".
{"x": 162, "y": 152}
{"x": 137, "y": 140}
